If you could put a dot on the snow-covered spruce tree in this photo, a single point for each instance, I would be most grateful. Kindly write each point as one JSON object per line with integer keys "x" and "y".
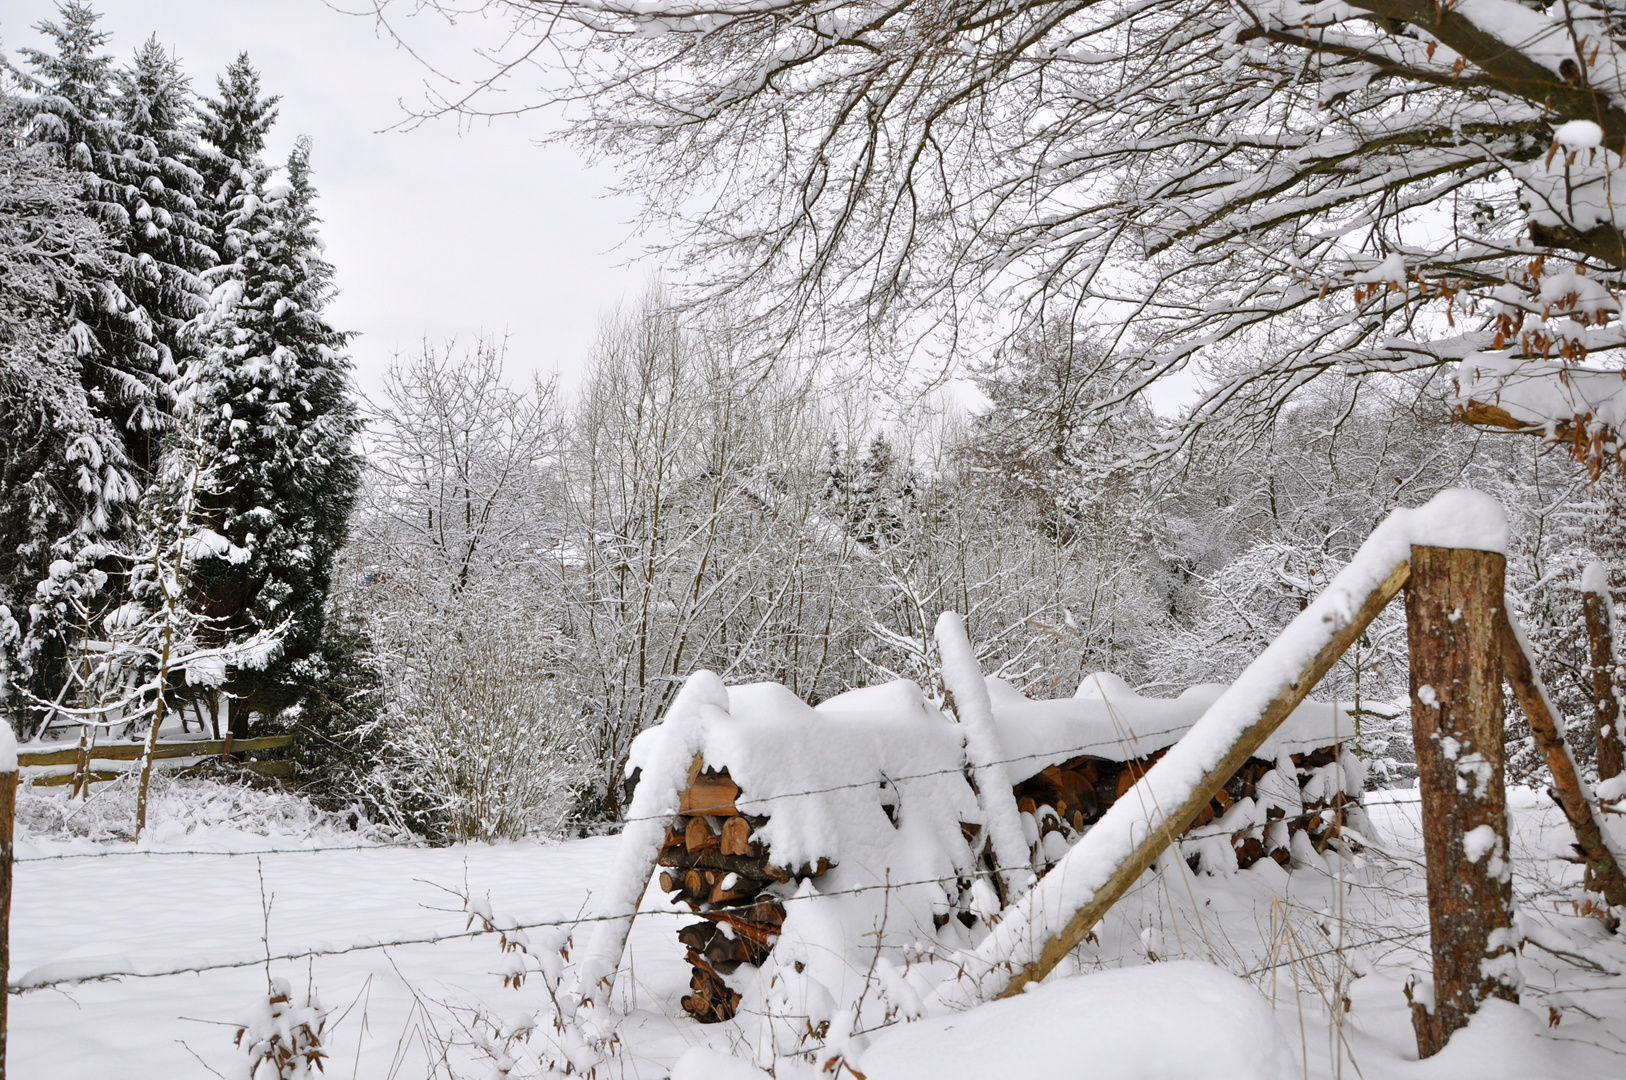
{"x": 1272, "y": 190}
{"x": 167, "y": 232}
{"x": 73, "y": 118}
{"x": 64, "y": 481}
{"x": 233, "y": 129}
{"x": 270, "y": 393}
{"x": 129, "y": 133}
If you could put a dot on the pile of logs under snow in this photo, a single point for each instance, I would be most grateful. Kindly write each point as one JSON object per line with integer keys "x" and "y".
{"x": 1060, "y": 803}
{"x": 713, "y": 863}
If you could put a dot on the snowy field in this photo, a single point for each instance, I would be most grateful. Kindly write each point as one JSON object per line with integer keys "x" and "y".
{"x": 1325, "y": 952}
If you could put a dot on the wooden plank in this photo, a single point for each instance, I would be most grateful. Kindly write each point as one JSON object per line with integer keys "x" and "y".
{"x": 1454, "y": 634}
{"x": 1604, "y": 869}
{"x": 259, "y": 768}
{"x": 1128, "y": 871}
{"x": 68, "y": 778}
{"x": 966, "y": 695}
{"x": 132, "y": 751}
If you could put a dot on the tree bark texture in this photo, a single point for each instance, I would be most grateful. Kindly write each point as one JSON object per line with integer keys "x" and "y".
{"x": 1453, "y": 628}
{"x": 1605, "y": 704}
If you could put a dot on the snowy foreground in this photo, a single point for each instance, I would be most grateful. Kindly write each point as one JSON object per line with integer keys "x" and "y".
{"x": 1302, "y": 1007}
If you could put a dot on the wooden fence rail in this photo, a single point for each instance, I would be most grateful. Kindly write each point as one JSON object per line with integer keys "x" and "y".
{"x": 74, "y": 755}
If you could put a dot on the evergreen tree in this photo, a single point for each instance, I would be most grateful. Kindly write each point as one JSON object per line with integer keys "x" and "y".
{"x": 63, "y": 476}
{"x": 270, "y": 390}
{"x": 74, "y": 118}
{"x": 131, "y": 135}
{"x": 233, "y": 128}
{"x": 166, "y": 235}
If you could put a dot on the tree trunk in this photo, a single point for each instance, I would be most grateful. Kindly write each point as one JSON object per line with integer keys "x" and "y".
{"x": 1453, "y": 629}
{"x": 1601, "y": 660}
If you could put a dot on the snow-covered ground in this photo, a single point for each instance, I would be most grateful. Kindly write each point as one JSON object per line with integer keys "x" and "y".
{"x": 1322, "y": 957}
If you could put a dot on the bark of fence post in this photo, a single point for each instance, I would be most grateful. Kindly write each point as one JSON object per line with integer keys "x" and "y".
{"x": 8, "y": 817}
{"x": 1601, "y": 660}
{"x": 1453, "y": 629}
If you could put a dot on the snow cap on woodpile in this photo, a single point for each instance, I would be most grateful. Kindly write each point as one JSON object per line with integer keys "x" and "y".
{"x": 669, "y": 748}
{"x": 821, "y": 775}
{"x": 1107, "y": 719}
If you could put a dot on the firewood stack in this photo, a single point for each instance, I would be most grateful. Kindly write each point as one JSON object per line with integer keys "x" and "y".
{"x": 712, "y": 862}
{"x": 1060, "y": 803}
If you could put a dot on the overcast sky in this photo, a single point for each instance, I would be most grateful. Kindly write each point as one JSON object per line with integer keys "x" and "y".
{"x": 433, "y": 231}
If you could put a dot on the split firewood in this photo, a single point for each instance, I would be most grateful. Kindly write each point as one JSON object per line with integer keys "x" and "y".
{"x": 736, "y": 837}
{"x": 712, "y": 795}
{"x": 698, "y": 835}
{"x": 714, "y": 859}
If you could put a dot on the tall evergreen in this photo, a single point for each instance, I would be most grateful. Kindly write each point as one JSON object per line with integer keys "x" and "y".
{"x": 233, "y": 129}
{"x": 270, "y": 390}
{"x": 131, "y": 134}
{"x": 63, "y": 475}
{"x": 74, "y": 118}
{"x": 166, "y": 233}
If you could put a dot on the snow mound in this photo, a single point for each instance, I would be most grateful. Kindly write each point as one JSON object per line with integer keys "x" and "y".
{"x": 700, "y": 1063}
{"x": 1167, "y": 1021}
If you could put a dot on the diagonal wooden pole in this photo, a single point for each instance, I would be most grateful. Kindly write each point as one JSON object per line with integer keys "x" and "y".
{"x": 1597, "y": 850}
{"x": 1177, "y": 819}
{"x": 8, "y": 816}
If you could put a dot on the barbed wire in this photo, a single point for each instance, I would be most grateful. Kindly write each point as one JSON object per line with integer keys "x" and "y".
{"x": 23, "y": 985}
{"x": 943, "y": 881}
{"x": 418, "y": 844}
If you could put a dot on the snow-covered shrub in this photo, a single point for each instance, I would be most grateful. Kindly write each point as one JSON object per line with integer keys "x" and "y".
{"x": 545, "y": 1034}
{"x": 281, "y": 1040}
{"x": 190, "y": 812}
{"x": 484, "y": 733}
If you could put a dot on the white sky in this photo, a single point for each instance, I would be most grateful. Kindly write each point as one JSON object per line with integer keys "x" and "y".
{"x": 433, "y": 231}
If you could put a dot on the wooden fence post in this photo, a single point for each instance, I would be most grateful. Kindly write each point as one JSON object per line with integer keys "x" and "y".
{"x": 8, "y": 817}
{"x": 1601, "y": 660}
{"x": 1454, "y": 621}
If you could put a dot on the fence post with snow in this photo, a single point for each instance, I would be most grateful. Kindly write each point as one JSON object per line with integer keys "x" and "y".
{"x": 1454, "y": 610}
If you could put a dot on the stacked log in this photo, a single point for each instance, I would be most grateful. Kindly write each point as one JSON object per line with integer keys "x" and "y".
{"x": 1066, "y": 799}
{"x": 712, "y": 861}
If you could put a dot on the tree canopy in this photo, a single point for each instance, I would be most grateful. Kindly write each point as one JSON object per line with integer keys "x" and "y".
{"x": 1265, "y": 191}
